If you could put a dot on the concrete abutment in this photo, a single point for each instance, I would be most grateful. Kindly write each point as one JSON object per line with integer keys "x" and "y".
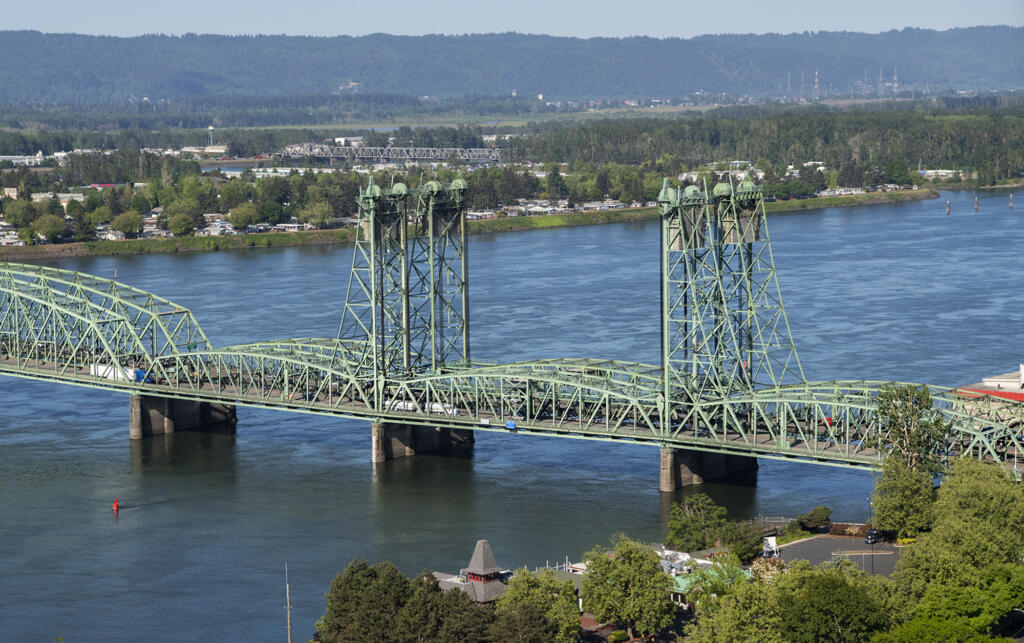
{"x": 390, "y": 440}
{"x": 152, "y": 415}
{"x": 684, "y": 468}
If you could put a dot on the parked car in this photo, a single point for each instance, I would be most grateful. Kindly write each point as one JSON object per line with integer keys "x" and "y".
{"x": 872, "y": 537}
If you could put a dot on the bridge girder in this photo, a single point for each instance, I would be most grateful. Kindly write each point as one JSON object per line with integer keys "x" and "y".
{"x": 77, "y": 322}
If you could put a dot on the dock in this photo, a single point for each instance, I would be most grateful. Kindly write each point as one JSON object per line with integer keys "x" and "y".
{"x": 1008, "y": 385}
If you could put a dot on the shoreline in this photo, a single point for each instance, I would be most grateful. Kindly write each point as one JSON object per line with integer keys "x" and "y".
{"x": 175, "y": 245}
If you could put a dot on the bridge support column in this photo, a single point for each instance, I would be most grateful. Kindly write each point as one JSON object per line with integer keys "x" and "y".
{"x": 389, "y": 441}
{"x": 151, "y": 415}
{"x": 683, "y": 468}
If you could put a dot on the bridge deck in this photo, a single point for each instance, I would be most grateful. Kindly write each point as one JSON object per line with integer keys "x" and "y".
{"x": 801, "y": 440}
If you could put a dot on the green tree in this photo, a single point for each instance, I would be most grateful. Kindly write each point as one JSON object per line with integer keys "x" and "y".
{"x": 748, "y": 613}
{"x": 363, "y": 603}
{"x": 716, "y": 580}
{"x": 627, "y": 585}
{"x": 114, "y": 199}
{"x": 523, "y": 623}
{"x": 19, "y": 213}
{"x": 902, "y": 499}
{"x": 555, "y": 600}
{"x": 100, "y": 215}
{"x": 187, "y": 206}
{"x": 233, "y": 193}
{"x": 92, "y": 200}
{"x": 464, "y": 620}
{"x": 202, "y": 190}
{"x": 816, "y": 518}
{"x": 829, "y": 603}
{"x": 743, "y": 539}
{"x": 53, "y": 205}
{"x": 243, "y": 215}
{"x": 978, "y": 523}
{"x": 49, "y": 226}
{"x": 695, "y": 523}
{"x": 180, "y": 224}
{"x": 81, "y": 229}
{"x": 602, "y": 182}
{"x": 999, "y": 590}
{"x": 316, "y": 213}
{"x": 915, "y": 427}
{"x": 140, "y": 203}
{"x": 28, "y": 235}
{"x": 925, "y": 630}
{"x": 271, "y": 212}
{"x": 343, "y": 597}
{"x": 420, "y": 619}
{"x": 130, "y": 223}
{"x": 556, "y": 184}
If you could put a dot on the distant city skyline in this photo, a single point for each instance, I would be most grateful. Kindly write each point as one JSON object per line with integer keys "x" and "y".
{"x": 656, "y": 18}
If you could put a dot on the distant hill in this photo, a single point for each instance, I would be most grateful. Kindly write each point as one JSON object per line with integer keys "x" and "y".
{"x": 70, "y": 68}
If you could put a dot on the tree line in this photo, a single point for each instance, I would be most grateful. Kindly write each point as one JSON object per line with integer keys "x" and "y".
{"x": 230, "y": 111}
{"x": 990, "y": 141}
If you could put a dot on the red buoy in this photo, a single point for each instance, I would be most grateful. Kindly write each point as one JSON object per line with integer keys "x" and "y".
{"x": 115, "y": 505}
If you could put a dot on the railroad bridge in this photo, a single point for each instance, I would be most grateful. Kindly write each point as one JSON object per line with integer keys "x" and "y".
{"x": 729, "y": 388}
{"x": 389, "y": 153}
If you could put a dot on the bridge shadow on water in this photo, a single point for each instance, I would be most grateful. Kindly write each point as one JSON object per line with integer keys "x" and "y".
{"x": 185, "y": 452}
{"x": 737, "y": 494}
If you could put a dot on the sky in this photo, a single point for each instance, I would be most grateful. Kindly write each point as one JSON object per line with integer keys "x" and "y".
{"x": 581, "y": 18}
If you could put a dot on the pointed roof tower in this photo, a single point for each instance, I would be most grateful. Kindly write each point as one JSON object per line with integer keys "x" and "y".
{"x": 483, "y": 562}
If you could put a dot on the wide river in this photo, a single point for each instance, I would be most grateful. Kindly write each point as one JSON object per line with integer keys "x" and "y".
{"x": 208, "y": 522}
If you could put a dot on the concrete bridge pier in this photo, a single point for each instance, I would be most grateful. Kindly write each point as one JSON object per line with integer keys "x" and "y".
{"x": 390, "y": 440}
{"x": 152, "y": 415}
{"x": 684, "y": 468}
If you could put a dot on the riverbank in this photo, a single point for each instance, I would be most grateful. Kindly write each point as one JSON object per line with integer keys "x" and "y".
{"x": 480, "y": 226}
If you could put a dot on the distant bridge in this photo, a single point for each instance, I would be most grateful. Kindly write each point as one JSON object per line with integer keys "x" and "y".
{"x": 730, "y": 386}
{"x": 382, "y": 154}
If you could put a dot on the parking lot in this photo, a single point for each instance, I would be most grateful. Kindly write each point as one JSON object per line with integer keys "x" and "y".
{"x": 879, "y": 558}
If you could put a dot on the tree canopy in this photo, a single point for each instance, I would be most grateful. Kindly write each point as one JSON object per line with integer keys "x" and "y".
{"x": 180, "y": 224}
{"x": 49, "y": 226}
{"x": 555, "y": 600}
{"x": 915, "y": 428}
{"x": 627, "y": 585}
{"x": 978, "y": 523}
{"x": 695, "y": 523}
{"x": 130, "y": 223}
{"x": 902, "y": 499}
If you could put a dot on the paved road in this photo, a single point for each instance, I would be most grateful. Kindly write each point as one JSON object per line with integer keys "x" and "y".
{"x": 879, "y": 558}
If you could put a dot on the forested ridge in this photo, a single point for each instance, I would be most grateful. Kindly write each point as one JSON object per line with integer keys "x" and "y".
{"x": 74, "y": 68}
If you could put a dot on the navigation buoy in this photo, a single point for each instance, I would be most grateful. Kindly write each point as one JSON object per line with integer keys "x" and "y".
{"x": 947, "y": 207}
{"x": 1011, "y": 201}
{"x": 114, "y": 506}
{"x": 975, "y": 203}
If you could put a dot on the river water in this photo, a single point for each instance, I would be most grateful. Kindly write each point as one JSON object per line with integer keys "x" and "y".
{"x": 207, "y": 522}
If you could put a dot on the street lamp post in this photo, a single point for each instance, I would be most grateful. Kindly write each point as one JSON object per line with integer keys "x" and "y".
{"x": 871, "y": 523}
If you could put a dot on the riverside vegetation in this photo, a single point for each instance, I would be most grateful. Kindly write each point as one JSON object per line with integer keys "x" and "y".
{"x": 960, "y": 580}
{"x": 347, "y": 235}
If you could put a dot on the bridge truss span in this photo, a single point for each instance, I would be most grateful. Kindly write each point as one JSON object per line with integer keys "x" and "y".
{"x": 383, "y": 154}
{"x": 729, "y": 382}
{"x": 72, "y": 322}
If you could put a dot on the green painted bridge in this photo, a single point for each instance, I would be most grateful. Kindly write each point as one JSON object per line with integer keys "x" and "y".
{"x": 730, "y": 383}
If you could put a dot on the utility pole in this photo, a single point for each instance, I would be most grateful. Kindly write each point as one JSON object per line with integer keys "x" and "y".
{"x": 288, "y": 602}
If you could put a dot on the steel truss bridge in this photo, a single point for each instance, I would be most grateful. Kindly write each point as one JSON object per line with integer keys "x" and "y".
{"x": 730, "y": 380}
{"x": 383, "y": 154}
